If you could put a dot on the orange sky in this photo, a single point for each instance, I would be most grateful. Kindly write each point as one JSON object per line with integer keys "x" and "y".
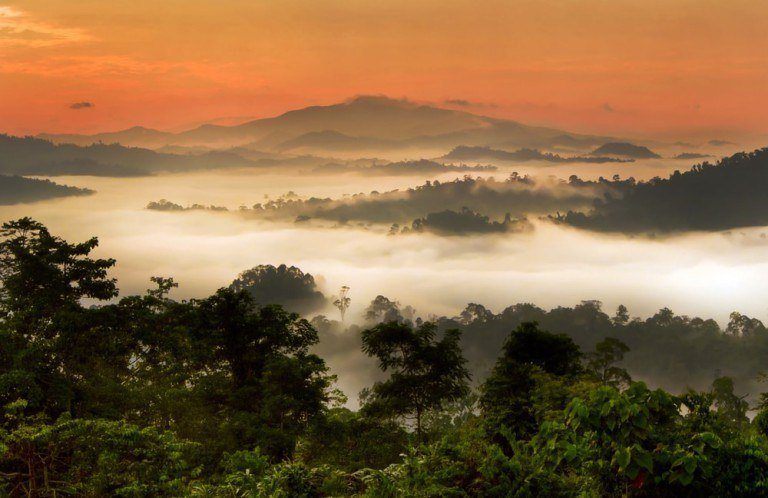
{"x": 646, "y": 67}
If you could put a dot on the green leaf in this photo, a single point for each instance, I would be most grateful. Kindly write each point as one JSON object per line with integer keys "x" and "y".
{"x": 622, "y": 458}
{"x": 644, "y": 459}
{"x": 632, "y": 471}
{"x": 690, "y": 465}
{"x": 686, "y": 479}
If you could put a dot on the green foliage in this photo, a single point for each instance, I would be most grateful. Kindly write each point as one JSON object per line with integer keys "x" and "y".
{"x": 425, "y": 374}
{"x": 93, "y": 458}
{"x": 223, "y": 397}
{"x": 601, "y": 363}
{"x": 507, "y": 394}
{"x": 349, "y": 441}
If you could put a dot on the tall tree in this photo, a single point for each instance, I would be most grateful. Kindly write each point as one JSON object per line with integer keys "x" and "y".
{"x": 287, "y": 286}
{"x": 342, "y": 302}
{"x": 56, "y": 351}
{"x": 426, "y": 372}
{"x": 506, "y": 399}
{"x": 601, "y": 364}
{"x": 256, "y": 366}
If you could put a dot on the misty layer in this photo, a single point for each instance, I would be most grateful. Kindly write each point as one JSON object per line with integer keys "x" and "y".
{"x": 728, "y": 194}
{"x": 467, "y": 153}
{"x": 17, "y": 190}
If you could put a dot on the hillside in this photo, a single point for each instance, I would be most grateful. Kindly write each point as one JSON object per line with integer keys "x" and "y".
{"x": 19, "y": 190}
{"x": 728, "y": 194}
{"x": 624, "y": 149}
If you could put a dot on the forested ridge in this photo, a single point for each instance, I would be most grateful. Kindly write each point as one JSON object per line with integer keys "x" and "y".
{"x": 727, "y": 194}
{"x": 230, "y": 395}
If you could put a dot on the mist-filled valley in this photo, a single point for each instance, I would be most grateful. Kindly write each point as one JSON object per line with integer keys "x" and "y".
{"x": 274, "y": 292}
{"x": 498, "y": 234}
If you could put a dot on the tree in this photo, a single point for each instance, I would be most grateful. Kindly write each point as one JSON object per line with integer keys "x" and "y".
{"x": 287, "y": 286}
{"x": 622, "y": 315}
{"x": 255, "y": 364}
{"x": 44, "y": 275}
{"x": 730, "y": 406}
{"x": 78, "y": 457}
{"x": 425, "y": 374}
{"x": 506, "y": 399}
{"x": 601, "y": 363}
{"x": 743, "y": 326}
{"x": 342, "y": 302}
{"x": 56, "y": 353}
{"x": 384, "y": 310}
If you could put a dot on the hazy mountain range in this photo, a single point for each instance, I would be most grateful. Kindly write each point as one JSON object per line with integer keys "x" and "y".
{"x": 34, "y": 156}
{"x": 362, "y": 123}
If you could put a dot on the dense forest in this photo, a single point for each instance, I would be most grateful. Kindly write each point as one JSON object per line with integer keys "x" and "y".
{"x": 466, "y": 153}
{"x": 230, "y": 395}
{"x": 727, "y": 194}
{"x": 515, "y": 195}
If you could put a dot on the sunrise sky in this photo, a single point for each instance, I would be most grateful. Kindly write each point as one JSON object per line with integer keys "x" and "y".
{"x": 649, "y": 68}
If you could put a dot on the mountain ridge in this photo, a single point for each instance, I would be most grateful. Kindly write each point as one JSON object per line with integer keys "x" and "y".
{"x": 392, "y": 121}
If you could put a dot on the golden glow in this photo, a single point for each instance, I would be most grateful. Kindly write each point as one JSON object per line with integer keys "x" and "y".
{"x": 652, "y": 67}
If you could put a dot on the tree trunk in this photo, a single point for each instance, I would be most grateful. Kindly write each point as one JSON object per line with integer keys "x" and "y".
{"x": 418, "y": 424}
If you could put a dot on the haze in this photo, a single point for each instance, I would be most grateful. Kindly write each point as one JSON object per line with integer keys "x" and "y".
{"x": 435, "y": 153}
{"x": 706, "y": 275}
{"x": 645, "y": 68}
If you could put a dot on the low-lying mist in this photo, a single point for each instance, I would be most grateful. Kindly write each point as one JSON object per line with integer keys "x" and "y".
{"x": 698, "y": 274}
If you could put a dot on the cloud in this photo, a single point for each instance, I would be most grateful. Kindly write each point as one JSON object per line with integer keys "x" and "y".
{"x": 467, "y": 103}
{"x": 17, "y": 28}
{"x": 82, "y": 105}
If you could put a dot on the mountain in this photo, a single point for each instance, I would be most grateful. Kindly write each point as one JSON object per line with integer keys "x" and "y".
{"x": 35, "y": 156}
{"x": 625, "y": 149}
{"x": 365, "y": 122}
{"x": 330, "y": 140}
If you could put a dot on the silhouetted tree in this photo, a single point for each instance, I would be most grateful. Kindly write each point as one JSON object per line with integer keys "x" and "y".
{"x": 382, "y": 309}
{"x": 425, "y": 373}
{"x": 601, "y": 363}
{"x": 506, "y": 393}
{"x": 342, "y": 302}
{"x": 287, "y": 286}
{"x": 274, "y": 386}
{"x": 622, "y": 315}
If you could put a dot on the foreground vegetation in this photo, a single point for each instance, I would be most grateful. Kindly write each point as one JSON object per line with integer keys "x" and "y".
{"x": 148, "y": 396}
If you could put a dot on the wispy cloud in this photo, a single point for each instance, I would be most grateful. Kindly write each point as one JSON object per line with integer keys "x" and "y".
{"x": 468, "y": 103}
{"x": 17, "y": 28}
{"x": 82, "y": 105}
